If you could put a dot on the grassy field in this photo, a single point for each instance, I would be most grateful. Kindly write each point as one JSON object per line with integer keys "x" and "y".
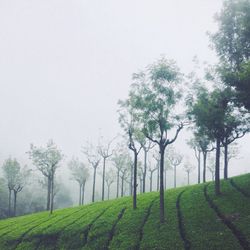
{"x": 196, "y": 219}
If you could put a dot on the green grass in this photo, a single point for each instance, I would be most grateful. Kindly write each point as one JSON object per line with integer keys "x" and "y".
{"x": 115, "y": 225}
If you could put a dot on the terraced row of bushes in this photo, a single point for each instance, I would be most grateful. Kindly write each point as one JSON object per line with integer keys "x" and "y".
{"x": 196, "y": 219}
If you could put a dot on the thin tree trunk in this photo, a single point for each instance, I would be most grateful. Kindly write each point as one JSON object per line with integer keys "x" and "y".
{"x": 226, "y": 161}
{"x": 199, "y": 167}
{"x": 131, "y": 181}
{"x": 80, "y": 194}
{"x": 83, "y": 191}
{"x": 103, "y": 177}
{"x": 158, "y": 177}
{"x": 162, "y": 210}
{"x": 122, "y": 187}
{"x": 93, "y": 191}
{"x": 108, "y": 191}
{"x": 118, "y": 183}
{"x": 48, "y": 193}
{"x": 15, "y": 199}
{"x": 52, "y": 194}
{"x": 9, "y": 202}
{"x": 174, "y": 176}
{"x": 151, "y": 176}
{"x": 145, "y": 170}
{"x": 135, "y": 180}
{"x": 217, "y": 167}
{"x": 204, "y": 166}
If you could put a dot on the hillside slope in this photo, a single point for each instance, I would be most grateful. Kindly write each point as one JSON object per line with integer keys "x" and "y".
{"x": 196, "y": 219}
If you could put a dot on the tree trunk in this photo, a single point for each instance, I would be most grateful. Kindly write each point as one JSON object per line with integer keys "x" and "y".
{"x": 162, "y": 212}
{"x": 174, "y": 176}
{"x": 52, "y": 195}
{"x": 80, "y": 194}
{"x": 108, "y": 191}
{"x": 145, "y": 170}
{"x": 9, "y": 202}
{"x": 217, "y": 167}
{"x": 204, "y": 166}
{"x": 103, "y": 177}
{"x": 122, "y": 187}
{"x": 93, "y": 191}
{"x": 48, "y": 193}
{"x": 199, "y": 167}
{"x": 131, "y": 181}
{"x": 135, "y": 180}
{"x": 118, "y": 183}
{"x": 158, "y": 176}
{"x": 15, "y": 199}
{"x": 83, "y": 191}
{"x": 226, "y": 161}
{"x": 151, "y": 177}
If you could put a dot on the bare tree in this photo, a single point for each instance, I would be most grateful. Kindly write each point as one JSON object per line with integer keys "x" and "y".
{"x": 80, "y": 173}
{"x": 175, "y": 160}
{"x": 188, "y": 168}
{"x": 109, "y": 179}
{"x": 94, "y": 160}
{"x": 105, "y": 153}
{"x": 151, "y": 171}
{"x": 47, "y": 160}
{"x": 119, "y": 159}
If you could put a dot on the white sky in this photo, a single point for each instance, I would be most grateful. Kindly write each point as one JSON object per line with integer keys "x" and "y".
{"x": 64, "y": 64}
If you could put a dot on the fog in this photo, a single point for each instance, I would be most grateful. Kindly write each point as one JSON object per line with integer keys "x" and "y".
{"x": 65, "y": 64}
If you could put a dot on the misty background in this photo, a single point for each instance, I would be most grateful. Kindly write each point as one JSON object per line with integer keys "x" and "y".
{"x": 65, "y": 64}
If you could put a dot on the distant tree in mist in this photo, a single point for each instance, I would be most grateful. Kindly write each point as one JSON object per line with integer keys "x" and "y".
{"x": 151, "y": 170}
{"x": 16, "y": 178}
{"x": 80, "y": 173}
{"x": 188, "y": 168}
{"x": 105, "y": 152}
{"x": 94, "y": 159}
{"x": 109, "y": 179}
{"x": 47, "y": 159}
{"x": 174, "y": 158}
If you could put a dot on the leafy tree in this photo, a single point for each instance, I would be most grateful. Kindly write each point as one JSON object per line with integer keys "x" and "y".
{"x": 80, "y": 173}
{"x": 232, "y": 44}
{"x": 47, "y": 159}
{"x": 94, "y": 159}
{"x": 153, "y": 98}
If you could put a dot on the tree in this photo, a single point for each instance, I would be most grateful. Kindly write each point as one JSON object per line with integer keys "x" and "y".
{"x": 11, "y": 169}
{"x": 146, "y": 145}
{"x": 94, "y": 160}
{"x": 188, "y": 168}
{"x": 175, "y": 160}
{"x": 156, "y": 156}
{"x": 16, "y": 178}
{"x": 47, "y": 159}
{"x": 232, "y": 43}
{"x": 105, "y": 153}
{"x": 109, "y": 179}
{"x": 129, "y": 122}
{"x": 119, "y": 159}
{"x": 153, "y": 98}
{"x": 194, "y": 144}
{"x": 21, "y": 181}
{"x": 151, "y": 171}
{"x": 80, "y": 173}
